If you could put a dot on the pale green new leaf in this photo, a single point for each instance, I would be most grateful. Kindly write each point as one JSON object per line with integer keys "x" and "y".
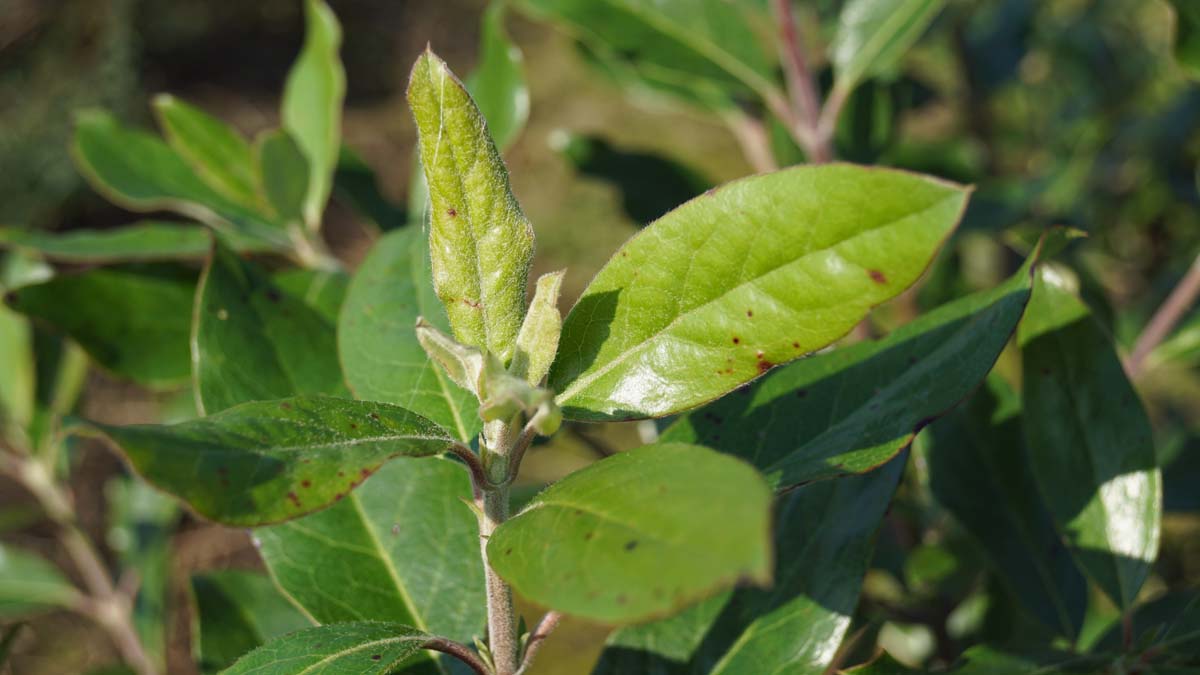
{"x": 756, "y": 273}
{"x": 17, "y": 382}
{"x": 28, "y": 584}
{"x": 639, "y": 535}
{"x": 312, "y": 104}
{"x": 537, "y": 343}
{"x": 872, "y": 35}
{"x": 498, "y": 83}
{"x": 480, "y": 242}
{"x": 283, "y": 174}
{"x": 377, "y": 339}
{"x": 268, "y": 461}
{"x": 1091, "y": 445}
{"x": 218, "y": 154}
{"x": 363, "y": 648}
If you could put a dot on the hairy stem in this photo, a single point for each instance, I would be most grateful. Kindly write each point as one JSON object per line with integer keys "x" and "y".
{"x": 802, "y": 85}
{"x": 503, "y": 640}
{"x": 1182, "y": 297}
{"x": 459, "y": 651}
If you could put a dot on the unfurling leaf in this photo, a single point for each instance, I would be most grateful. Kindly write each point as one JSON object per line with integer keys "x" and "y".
{"x": 481, "y": 243}
{"x": 464, "y": 365}
{"x": 537, "y": 343}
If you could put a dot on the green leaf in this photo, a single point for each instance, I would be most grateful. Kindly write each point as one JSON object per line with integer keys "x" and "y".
{"x": 145, "y": 240}
{"x": 283, "y": 173}
{"x": 253, "y": 341}
{"x": 983, "y": 660}
{"x": 17, "y": 385}
{"x": 141, "y": 173}
{"x": 363, "y": 648}
{"x": 872, "y": 35}
{"x": 1090, "y": 443}
{"x": 706, "y": 40}
{"x": 322, "y": 290}
{"x": 29, "y": 584}
{"x": 237, "y": 611}
{"x": 268, "y": 461}
{"x": 377, "y": 338}
{"x": 498, "y": 83}
{"x": 356, "y": 185}
{"x": 132, "y": 319}
{"x": 480, "y": 241}
{"x": 824, "y": 535}
{"x": 537, "y": 342}
{"x": 216, "y": 152}
{"x": 403, "y": 547}
{"x": 753, "y": 274}
{"x": 639, "y": 535}
{"x": 312, "y": 104}
{"x": 1187, "y": 36}
{"x": 1169, "y": 624}
{"x": 979, "y": 470}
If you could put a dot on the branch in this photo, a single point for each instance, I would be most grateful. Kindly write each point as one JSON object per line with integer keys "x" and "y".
{"x": 802, "y": 86}
{"x": 518, "y": 453}
{"x": 458, "y": 651}
{"x": 546, "y": 626}
{"x": 479, "y": 478}
{"x": 751, "y": 135}
{"x": 1182, "y": 297}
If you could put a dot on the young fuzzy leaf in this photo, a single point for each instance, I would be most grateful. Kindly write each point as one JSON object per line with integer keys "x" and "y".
{"x": 639, "y": 535}
{"x": 267, "y": 461}
{"x": 312, "y": 104}
{"x": 378, "y": 345}
{"x": 283, "y": 174}
{"x": 464, "y": 365}
{"x": 1091, "y": 445}
{"x": 873, "y": 34}
{"x": 756, "y": 273}
{"x": 853, "y": 408}
{"x": 537, "y": 342}
{"x": 216, "y": 152}
{"x": 364, "y": 648}
{"x": 480, "y": 241}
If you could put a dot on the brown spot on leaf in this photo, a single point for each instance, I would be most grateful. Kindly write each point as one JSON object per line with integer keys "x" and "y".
{"x": 472, "y": 304}
{"x": 452, "y": 213}
{"x": 273, "y": 295}
{"x": 376, "y": 657}
{"x": 795, "y": 345}
{"x": 737, "y": 340}
{"x": 375, "y": 416}
{"x": 508, "y": 551}
{"x": 621, "y": 599}
{"x": 749, "y": 313}
{"x": 631, "y": 544}
{"x": 306, "y": 483}
{"x": 877, "y": 276}
{"x": 285, "y": 406}
{"x": 588, "y": 536}
{"x": 353, "y": 425}
{"x": 293, "y": 499}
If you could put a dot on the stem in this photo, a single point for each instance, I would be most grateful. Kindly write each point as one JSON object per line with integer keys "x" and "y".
{"x": 1182, "y": 297}
{"x": 503, "y": 640}
{"x": 802, "y": 85}
{"x": 546, "y": 626}
{"x": 752, "y": 137}
{"x": 458, "y": 651}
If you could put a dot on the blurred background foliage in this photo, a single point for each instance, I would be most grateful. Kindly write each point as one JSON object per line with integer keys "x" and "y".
{"x": 1059, "y": 112}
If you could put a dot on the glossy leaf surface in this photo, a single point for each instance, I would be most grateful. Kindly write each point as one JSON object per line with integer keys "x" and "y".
{"x": 377, "y": 338}
{"x": 237, "y": 611}
{"x": 872, "y": 35}
{"x": 639, "y": 535}
{"x": 268, "y": 461}
{"x": 1090, "y": 442}
{"x": 498, "y": 82}
{"x": 133, "y": 320}
{"x": 141, "y": 241}
{"x": 363, "y": 648}
{"x": 283, "y": 174}
{"x": 756, "y": 273}
{"x": 312, "y": 103}
{"x": 29, "y": 583}
{"x": 979, "y": 470}
{"x": 481, "y": 243}
{"x": 253, "y": 341}
{"x": 853, "y": 408}
{"x": 218, "y": 154}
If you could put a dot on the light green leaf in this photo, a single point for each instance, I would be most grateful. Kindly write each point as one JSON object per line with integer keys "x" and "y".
{"x": 403, "y": 547}
{"x": 17, "y": 384}
{"x": 283, "y": 174}
{"x": 141, "y": 173}
{"x": 322, "y": 290}
{"x": 253, "y": 341}
{"x": 979, "y": 470}
{"x": 363, "y": 648}
{"x": 218, "y": 154}
{"x": 756, "y": 273}
{"x": 480, "y": 241}
{"x": 465, "y": 366}
{"x": 268, "y": 461}
{"x": 1187, "y": 36}
{"x": 312, "y": 104}
{"x": 237, "y": 611}
{"x": 639, "y": 535}
{"x": 1090, "y": 443}
{"x": 29, "y": 584}
{"x": 872, "y": 35}
{"x": 133, "y": 319}
{"x": 141, "y": 241}
{"x": 537, "y": 343}
{"x": 498, "y": 83}
{"x": 377, "y": 338}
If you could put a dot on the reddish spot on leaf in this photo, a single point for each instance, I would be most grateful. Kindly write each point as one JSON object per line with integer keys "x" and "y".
{"x": 338, "y": 497}
{"x": 341, "y": 474}
{"x": 353, "y": 425}
{"x": 293, "y": 499}
{"x": 285, "y": 406}
{"x": 375, "y": 416}
{"x": 737, "y": 340}
{"x": 795, "y": 345}
{"x": 470, "y": 303}
{"x": 877, "y": 276}
{"x": 763, "y": 364}
{"x": 306, "y": 483}
{"x": 451, "y": 212}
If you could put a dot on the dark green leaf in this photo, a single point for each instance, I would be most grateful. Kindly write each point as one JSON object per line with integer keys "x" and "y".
{"x": 284, "y": 174}
{"x": 312, "y": 104}
{"x": 216, "y": 152}
{"x": 639, "y": 535}
{"x": 1187, "y": 36}
{"x": 322, "y": 290}
{"x": 363, "y": 648}
{"x": 1170, "y": 624}
{"x": 377, "y": 337}
{"x": 756, "y": 273}
{"x": 403, "y": 547}
{"x": 29, "y": 584}
{"x": 1090, "y": 442}
{"x": 978, "y": 469}
{"x": 498, "y": 84}
{"x": 133, "y": 319}
{"x": 237, "y": 611}
{"x": 255, "y": 342}
{"x": 852, "y": 409}
{"x": 269, "y": 461}
{"x": 982, "y": 660}
{"x": 142, "y": 241}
